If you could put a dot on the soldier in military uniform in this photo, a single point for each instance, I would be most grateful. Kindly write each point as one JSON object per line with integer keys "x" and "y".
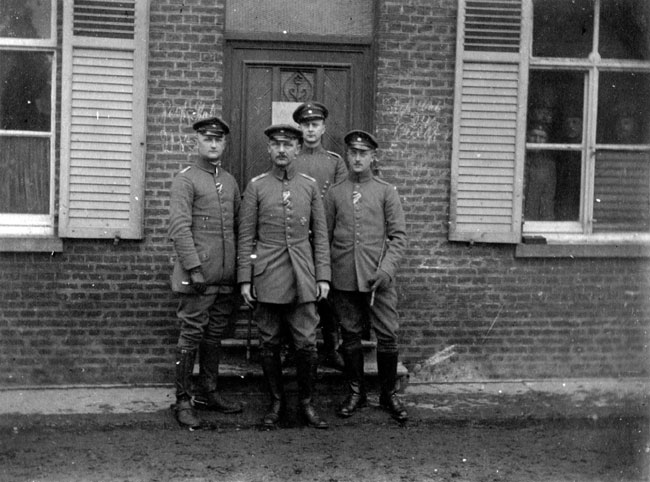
{"x": 289, "y": 273}
{"x": 327, "y": 168}
{"x": 367, "y": 238}
{"x": 204, "y": 205}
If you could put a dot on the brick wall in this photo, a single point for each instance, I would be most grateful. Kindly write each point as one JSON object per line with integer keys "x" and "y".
{"x": 103, "y": 313}
{"x": 506, "y": 317}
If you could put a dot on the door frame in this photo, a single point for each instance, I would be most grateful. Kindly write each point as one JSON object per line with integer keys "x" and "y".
{"x": 233, "y": 102}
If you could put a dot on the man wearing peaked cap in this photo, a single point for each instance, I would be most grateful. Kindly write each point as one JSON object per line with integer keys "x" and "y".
{"x": 278, "y": 131}
{"x": 327, "y": 168}
{"x": 310, "y": 110}
{"x": 284, "y": 268}
{"x": 364, "y": 140}
{"x": 211, "y": 126}
{"x": 360, "y": 140}
{"x": 204, "y": 206}
{"x": 367, "y": 233}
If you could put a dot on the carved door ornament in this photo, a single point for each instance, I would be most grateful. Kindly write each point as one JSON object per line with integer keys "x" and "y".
{"x": 297, "y": 88}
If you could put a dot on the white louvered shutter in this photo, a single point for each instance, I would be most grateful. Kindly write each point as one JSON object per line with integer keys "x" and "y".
{"x": 489, "y": 120}
{"x": 103, "y": 118}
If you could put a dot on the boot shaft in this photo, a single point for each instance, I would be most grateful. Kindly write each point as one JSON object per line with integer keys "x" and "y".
{"x": 272, "y": 369}
{"x": 387, "y": 371}
{"x": 184, "y": 369}
{"x": 209, "y": 366}
{"x": 306, "y": 364}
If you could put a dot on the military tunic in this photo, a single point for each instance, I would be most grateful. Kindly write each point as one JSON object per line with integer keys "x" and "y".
{"x": 326, "y": 167}
{"x": 279, "y": 210}
{"x": 203, "y": 217}
{"x": 367, "y": 232}
{"x": 366, "y": 228}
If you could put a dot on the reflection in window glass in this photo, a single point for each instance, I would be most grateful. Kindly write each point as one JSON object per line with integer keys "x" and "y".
{"x": 622, "y": 30}
{"x": 562, "y": 28}
{"x": 25, "y": 90}
{"x": 621, "y": 194}
{"x": 623, "y": 108}
{"x": 25, "y": 180}
{"x": 25, "y": 19}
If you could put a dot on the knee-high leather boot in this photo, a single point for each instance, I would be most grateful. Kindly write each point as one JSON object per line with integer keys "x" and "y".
{"x": 183, "y": 410}
{"x": 329, "y": 330}
{"x": 209, "y": 372}
{"x": 272, "y": 368}
{"x": 388, "y": 399}
{"x": 353, "y": 358}
{"x": 305, "y": 375}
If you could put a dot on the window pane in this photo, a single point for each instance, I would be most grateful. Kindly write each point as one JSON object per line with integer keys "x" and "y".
{"x": 623, "y": 108}
{"x": 25, "y": 90}
{"x": 552, "y": 185}
{"x": 621, "y": 192}
{"x": 622, "y": 27}
{"x": 540, "y": 178}
{"x": 25, "y": 180}
{"x": 562, "y": 28}
{"x": 556, "y": 103}
{"x": 25, "y": 19}
{"x": 567, "y": 190}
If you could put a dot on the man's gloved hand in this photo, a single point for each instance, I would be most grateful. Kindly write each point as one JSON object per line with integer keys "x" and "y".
{"x": 380, "y": 280}
{"x": 198, "y": 280}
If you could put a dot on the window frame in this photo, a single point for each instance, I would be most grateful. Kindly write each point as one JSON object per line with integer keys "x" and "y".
{"x": 581, "y": 231}
{"x": 493, "y": 63}
{"x": 17, "y": 225}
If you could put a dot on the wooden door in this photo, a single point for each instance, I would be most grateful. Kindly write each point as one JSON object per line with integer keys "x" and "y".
{"x": 259, "y": 75}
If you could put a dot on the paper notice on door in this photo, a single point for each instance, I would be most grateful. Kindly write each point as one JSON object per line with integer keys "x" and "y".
{"x": 282, "y": 112}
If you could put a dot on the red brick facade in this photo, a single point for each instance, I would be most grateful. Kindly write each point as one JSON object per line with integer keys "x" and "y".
{"x": 102, "y": 312}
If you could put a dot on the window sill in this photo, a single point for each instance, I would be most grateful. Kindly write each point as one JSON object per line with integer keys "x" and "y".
{"x": 34, "y": 244}
{"x": 613, "y": 250}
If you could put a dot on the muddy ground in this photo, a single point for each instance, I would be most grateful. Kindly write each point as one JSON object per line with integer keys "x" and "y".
{"x": 367, "y": 447}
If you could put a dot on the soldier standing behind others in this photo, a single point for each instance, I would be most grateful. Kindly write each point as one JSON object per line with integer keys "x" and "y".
{"x": 204, "y": 204}
{"x": 282, "y": 224}
{"x": 327, "y": 168}
{"x": 367, "y": 238}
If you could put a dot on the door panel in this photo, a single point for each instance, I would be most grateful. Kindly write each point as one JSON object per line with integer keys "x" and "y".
{"x": 339, "y": 77}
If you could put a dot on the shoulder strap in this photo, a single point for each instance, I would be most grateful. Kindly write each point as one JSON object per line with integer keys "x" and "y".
{"x": 257, "y": 178}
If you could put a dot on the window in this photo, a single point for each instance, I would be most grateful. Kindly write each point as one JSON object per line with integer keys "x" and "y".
{"x": 27, "y": 93}
{"x": 552, "y": 122}
{"x": 588, "y": 98}
{"x": 99, "y": 188}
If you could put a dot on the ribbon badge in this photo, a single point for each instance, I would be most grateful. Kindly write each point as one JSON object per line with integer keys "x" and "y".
{"x": 286, "y": 198}
{"x": 356, "y": 197}
{"x": 219, "y": 187}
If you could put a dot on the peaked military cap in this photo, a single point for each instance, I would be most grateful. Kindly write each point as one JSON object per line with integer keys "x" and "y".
{"x": 211, "y": 126}
{"x": 361, "y": 140}
{"x": 283, "y": 130}
{"x": 310, "y": 110}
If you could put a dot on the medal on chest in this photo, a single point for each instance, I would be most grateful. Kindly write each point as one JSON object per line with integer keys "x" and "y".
{"x": 286, "y": 198}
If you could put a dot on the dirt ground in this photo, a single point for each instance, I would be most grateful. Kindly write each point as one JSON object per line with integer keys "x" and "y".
{"x": 366, "y": 447}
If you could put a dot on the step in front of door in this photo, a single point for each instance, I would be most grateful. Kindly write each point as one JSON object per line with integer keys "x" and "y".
{"x": 240, "y": 369}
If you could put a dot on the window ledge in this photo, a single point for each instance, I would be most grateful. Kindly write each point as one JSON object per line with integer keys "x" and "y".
{"x": 50, "y": 244}
{"x": 613, "y": 250}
